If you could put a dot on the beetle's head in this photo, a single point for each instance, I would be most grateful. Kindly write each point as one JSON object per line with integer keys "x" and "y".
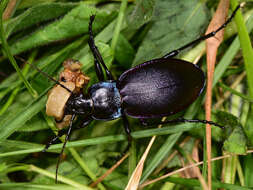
{"x": 79, "y": 105}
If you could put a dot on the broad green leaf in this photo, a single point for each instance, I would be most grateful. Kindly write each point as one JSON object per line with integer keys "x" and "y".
{"x": 72, "y": 24}
{"x": 175, "y": 23}
{"x": 236, "y": 140}
{"x": 141, "y": 14}
{"x": 124, "y": 52}
{"x": 36, "y": 15}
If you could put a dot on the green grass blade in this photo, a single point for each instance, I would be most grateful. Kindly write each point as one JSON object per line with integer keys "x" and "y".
{"x": 245, "y": 42}
{"x": 8, "y": 52}
{"x": 16, "y": 90}
{"x": 225, "y": 87}
{"x": 118, "y": 24}
{"x": 31, "y": 186}
{"x": 27, "y": 113}
{"x": 162, "y": 152}
{"x": 109, "y": 139}
{"x": 230, "y": 54}
{"x": 196, "y": 183}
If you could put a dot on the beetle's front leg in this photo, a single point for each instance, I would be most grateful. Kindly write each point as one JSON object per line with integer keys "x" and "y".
{"x": 55, "y": 138}
{"x": 99, "y": 62}
{"x": 86, "y": 121}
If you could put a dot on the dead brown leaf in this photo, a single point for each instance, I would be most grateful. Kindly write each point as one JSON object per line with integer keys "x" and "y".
{"x": 212, "y": 45}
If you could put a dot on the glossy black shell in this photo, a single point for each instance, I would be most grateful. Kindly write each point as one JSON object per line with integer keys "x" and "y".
{"x": 160, "y": 87}
{"x": 106, "y": 101}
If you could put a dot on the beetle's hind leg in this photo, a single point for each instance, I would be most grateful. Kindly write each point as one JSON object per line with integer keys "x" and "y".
{"x": 99, "y": 62}
{"x": 183, "y": 120}
{"x": 202, "y": 38}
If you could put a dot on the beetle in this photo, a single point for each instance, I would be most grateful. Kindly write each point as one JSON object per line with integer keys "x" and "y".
{"x": 152, "y": 89}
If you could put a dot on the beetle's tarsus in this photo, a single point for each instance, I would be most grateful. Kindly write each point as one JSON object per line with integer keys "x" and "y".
{"x": 183, "y": 120}
{"x": 202, "y": 38}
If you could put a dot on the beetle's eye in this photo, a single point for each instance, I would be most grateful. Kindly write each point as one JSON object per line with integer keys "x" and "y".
{"x": 63, "y": 79}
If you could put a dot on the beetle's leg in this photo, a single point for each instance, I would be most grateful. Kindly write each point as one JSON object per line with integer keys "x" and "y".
{"x": 97, "y": 56}
{"x": 63, "y": 146}
{"x": 144, "y": 122}
{"x": 62, "y": 132}
{"x": 127, "y": 130}
{"x": 85, "y": 123}
{"x": 209, "y": 35}
{"x": 183, "y": 120}
{"x": 98, "y": 70}
{"x": 55, "y": 138}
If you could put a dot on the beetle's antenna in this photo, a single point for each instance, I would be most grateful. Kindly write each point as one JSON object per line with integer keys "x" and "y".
{"x": 63, "y": 147}
{"x": 209, "y": 35}
{"x": 45, "y": 74}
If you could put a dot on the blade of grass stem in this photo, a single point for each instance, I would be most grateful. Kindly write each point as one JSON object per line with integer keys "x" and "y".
{"x": 16, "y": 90}
{"x": 196, "y": 183}
{"x": 118, "y": 24}
{"x": 108, "y": 139}
{"x": 19, "y": 119}
{"x": 85, "y": 167}
{"x": 240, "y": 172}
{"x": 132, "y": 159}
{"x": 167, "y": 146}
{"x": 225, "y": 87}
{"x": 60, "y": 178}
{"x": 10, "y": 56}
{"x": 245, "y": 42}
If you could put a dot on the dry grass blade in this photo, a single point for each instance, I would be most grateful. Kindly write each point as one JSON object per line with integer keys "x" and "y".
{"x": 133, "y": 183}
{"x": 196, "y": 170}
{"x": 212, "y": 45}
{"x": 185, "y": 168}
{"x": 236, "y": 82}
{"x": 9, "y": 9}
{"x": 166, "y": 161}
{"x": 108, "y": 172}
